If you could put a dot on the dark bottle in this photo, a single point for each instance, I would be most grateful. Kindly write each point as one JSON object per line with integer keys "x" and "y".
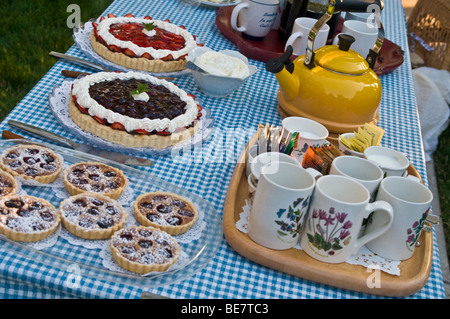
{"x": 292, "y": 10}
{"x": 317, "y": 8}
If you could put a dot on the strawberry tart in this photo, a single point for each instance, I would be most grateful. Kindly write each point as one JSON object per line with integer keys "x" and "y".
{"x": 142, "y": 43}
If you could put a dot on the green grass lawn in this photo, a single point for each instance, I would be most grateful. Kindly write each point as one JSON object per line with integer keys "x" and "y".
{"x": 30, "y": 30}
{"x": 442, "y": 164}
{"x": 33, "y": 28}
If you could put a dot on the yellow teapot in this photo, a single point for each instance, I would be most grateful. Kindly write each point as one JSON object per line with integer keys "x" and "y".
{"x": 333, "y": 85}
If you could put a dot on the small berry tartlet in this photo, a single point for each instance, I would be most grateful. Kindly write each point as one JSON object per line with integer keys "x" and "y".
{"x": 27, "y": 218}
{"x": 168, "y": 211}
{"x": 92, "y": 216}
{"x": 94, "y": 177}
{"x": 8, "y": 184}
{"x": 144, "y": 249}
{"x": 31, "y": 162}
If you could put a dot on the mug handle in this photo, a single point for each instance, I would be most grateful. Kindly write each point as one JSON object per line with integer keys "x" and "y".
{"x": 235, "y": 14}
{"x": 292, "y": 39}
{"x": 411, "y": 177}
{"x": 314, "y": 173}
{"x": 377, "y": 206}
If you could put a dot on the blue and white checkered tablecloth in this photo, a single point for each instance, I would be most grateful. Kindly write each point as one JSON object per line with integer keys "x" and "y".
{"x": 227, "y": 275}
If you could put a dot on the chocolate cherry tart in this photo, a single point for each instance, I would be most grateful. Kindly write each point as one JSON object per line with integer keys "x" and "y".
{"x": 8, "y": 184}
{"x": 167, "y": 211}
{"x": 94, "y": 177}
{"x": 133, "y": 109}
{"x": 92, "y": 216}
{"x": 142, "y": 249}
{"x": 142, "y": 43}
{"x": 31, "y": 162}
{"x": 27, "y": 218}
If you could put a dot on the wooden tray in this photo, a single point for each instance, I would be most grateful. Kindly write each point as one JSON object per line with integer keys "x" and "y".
{"x": 414, "y": 271}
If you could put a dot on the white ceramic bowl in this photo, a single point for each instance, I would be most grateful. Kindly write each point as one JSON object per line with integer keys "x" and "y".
{"x": 214, "y": 85}
{"x": 344, "y": 149}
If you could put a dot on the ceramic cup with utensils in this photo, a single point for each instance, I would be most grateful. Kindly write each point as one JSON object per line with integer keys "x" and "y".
{"x": 299, "y": 37}
{"x": 311, "y": 133}
{"x": 336, "y": 213}
{"x": 411, "y": 202}
{"x": 392, "y": 162}
{"x": 364, "y": 33}
{"x": 254, "y": 18}
{"x": 280, "y": 205}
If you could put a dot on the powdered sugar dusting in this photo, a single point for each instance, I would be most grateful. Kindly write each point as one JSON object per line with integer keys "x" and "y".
{"x": 145, "y": 245}
{"x": 165, "y": 209}
{"x": 27, "y": 214}
{"x": 95, "y": 177}
{"x": 31, "y": 160}
{"x": 92, "y": 212}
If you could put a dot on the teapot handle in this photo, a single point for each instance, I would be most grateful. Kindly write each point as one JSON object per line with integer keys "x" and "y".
{"x": 374, "y": 6}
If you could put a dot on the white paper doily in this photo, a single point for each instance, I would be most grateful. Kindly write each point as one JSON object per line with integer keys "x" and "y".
{"x": 364, "y": 257}
{"x": 81, "y": 36}
{"x": 59, "y": 105}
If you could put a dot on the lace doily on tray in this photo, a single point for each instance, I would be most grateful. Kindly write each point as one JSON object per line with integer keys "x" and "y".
{"x": 364, "y": 257}
{"x": 81, "y": 36}
{"x": 59, "y": 105}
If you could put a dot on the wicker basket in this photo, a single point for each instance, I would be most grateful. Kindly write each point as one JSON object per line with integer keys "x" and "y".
{"x": 429, "y": 32}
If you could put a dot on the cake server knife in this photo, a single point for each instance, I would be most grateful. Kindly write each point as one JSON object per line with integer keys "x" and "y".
{"x": 117, "y": 157}
{"x": 70, "y": 58}
{"x": 90, "y": 64}
{"x": 75, "y": 74}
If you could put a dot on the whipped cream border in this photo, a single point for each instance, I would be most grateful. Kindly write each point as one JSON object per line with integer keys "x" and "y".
{"x": 81, "y": 91}
{"x": 103, "y": 31}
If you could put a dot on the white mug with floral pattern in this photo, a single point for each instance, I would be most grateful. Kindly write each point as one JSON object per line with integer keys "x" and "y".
{"x": 336, "y": 213}
{"x": 411, "y": 202}
{"x": 280, "y": 205}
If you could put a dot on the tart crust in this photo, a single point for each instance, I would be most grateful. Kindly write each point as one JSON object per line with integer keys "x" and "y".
{"x": 73, "y": 214}
{"x": 160, "y": 252}
{"x": 136, "y": 63}
{"x": 31, "y": 224}
{"x": 113, "y": 193}
{"x": 8, "y": 184}
{"x": 186, "y": 221}
{"x": 121, "y": 137}
{"x": 43, "y": 178}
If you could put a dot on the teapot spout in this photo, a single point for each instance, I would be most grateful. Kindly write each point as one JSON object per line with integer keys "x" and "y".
{"x": 283, "y": 68}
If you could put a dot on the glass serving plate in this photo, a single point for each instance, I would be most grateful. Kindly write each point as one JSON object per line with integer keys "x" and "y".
{"x": 197, "y": 251}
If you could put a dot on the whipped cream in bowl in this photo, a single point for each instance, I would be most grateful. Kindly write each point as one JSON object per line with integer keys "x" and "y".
{"x": 219, "y": 73}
